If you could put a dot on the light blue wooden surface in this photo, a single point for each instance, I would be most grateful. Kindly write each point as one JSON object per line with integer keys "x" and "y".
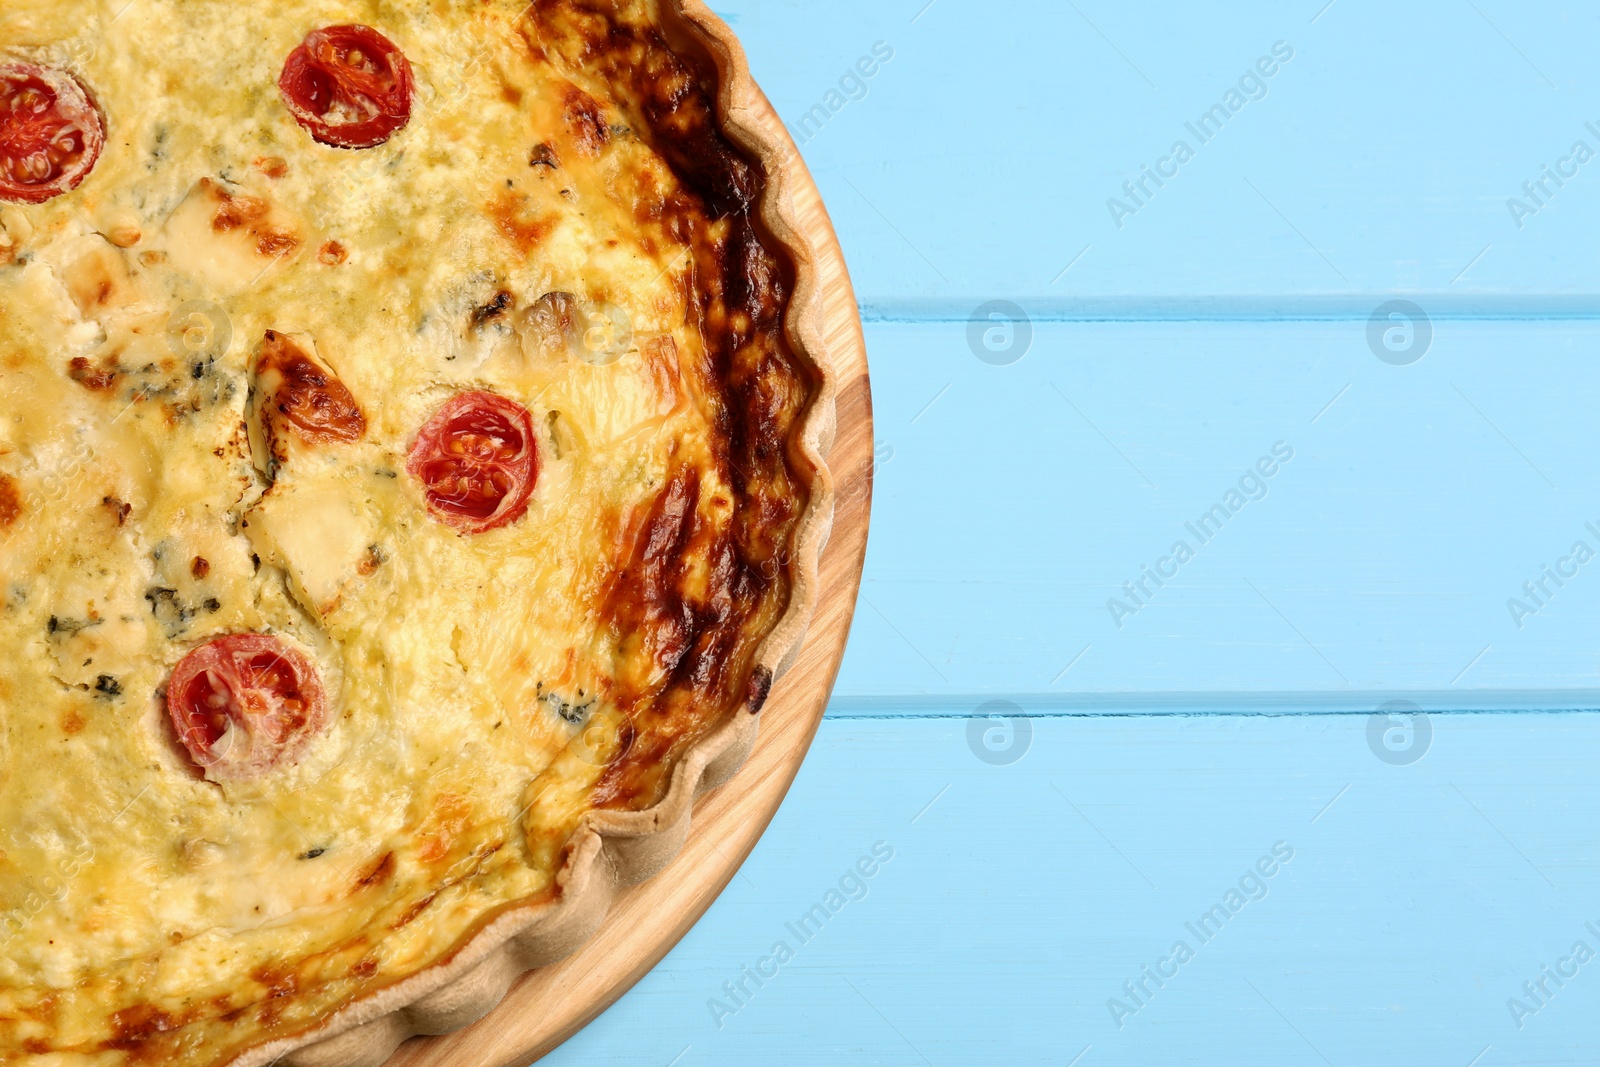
{"x": 1021, "y": 901}
{"x": 1439, "y": 860}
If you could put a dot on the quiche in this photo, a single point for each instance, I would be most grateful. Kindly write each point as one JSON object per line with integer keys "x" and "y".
{"x": 410, "y": 481}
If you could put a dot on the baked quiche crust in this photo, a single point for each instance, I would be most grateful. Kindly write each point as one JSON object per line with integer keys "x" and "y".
{"x": 411, "y": 483}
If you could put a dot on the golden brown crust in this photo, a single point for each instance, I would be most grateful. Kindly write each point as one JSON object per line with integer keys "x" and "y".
{"x": 701, "y": 570}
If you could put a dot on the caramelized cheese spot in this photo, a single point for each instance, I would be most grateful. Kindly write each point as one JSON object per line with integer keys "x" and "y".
{"x": 544, "y": 156}
{"x": 586, "y": 122}
{"x": 450, "y": 818}
{"x": 304, "y": 395}
{"x": 233, "y": 211}
{"x": 236, "y": 211}
{"x": 378, "y": 872}
{"x": 513, "y": 217}
{"x": 135, "y": 1026}
{"x": 96, "y": 379}
{"x": 10, "y": 500}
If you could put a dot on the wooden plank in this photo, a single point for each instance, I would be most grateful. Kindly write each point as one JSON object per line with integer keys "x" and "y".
{"x": 548, "y": 1005}
{"x": 1419, "y": 900}
{"x": 978, "y": 162}
{"x": 1016, "y": 500}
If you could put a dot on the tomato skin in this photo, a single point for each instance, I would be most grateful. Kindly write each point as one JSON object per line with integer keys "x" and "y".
{"x": 245, "y": 704}
{"x": 477, "y": 461}
{"x": 348, "y": 86}
{"x": 51, "y": 133}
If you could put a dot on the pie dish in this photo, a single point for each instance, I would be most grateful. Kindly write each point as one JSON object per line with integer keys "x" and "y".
{"x": 411, "y": 482}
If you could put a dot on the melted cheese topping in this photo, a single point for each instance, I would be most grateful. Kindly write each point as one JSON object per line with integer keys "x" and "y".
{"x": 480, "y": 687}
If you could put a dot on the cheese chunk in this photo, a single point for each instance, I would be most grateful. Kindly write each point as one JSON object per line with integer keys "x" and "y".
{"x": 315, "y": 529}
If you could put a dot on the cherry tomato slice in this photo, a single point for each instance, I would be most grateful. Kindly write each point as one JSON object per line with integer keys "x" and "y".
{"x": 51, "y": 133}
{"x": 245, "y": 704}
{"x": 349, "y": 86}
{"x": 477, "y": 461}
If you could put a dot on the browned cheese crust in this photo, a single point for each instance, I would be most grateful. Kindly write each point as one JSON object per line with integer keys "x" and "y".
{"x": 693, "y": 589}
